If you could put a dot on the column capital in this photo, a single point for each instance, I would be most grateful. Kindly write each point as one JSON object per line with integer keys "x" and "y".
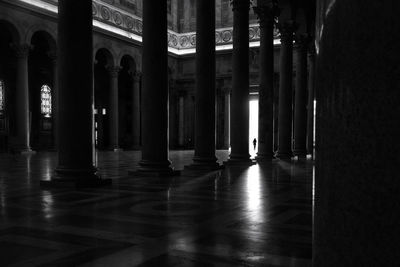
{"x": 113, "y": 71}
{"x": 137, "y": 76}
{"x": 302, "y": 41}
{"x": 21, "y": 50}
{"x": 267, "y": 13}
{"x": 181, "y": 93}
{"x": 240, "y": 4}
{"x": 52, "y": 55}
{"x": 286, "y": 29}
{"x": 226, "y": 90}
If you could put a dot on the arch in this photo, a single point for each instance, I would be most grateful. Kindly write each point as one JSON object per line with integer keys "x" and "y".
{"x": 107, "y": 49}
{"x": 105, "y": 57}
{"x": 47, "y": 37}
{"x": 132, "y": 54}
{"x": 12, "y": 29}
{"x": 129, "y": 63}
{"x": 48, "y": 32}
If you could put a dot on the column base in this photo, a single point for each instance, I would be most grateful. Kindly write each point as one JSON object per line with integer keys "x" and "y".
{"x": 115, "y": 149}
{"x": 72, "y": 178}
{"x": 262, "y": 157}
{"x": 23, "y": 150}
{"x": 155, "y": 169}
{"x": 136, "y": 147}
{"x": 235, "y": 160}
{"x": 284, "y": 155}
{"x": 27, "y": 152}
{"x": 301, "y": 153}
{"x": 204, "y": 164}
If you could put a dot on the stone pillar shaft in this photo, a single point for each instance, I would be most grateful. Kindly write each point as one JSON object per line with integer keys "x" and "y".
{"x": 266, "y": 88}
{"x": 310, "y": 104}
{"x": 358, "y": 150}
{"x": 181, "y": 118}
{"x": 285, "y": 92}
{"x": 227, "y": 118}
{"x": 300, "y": 107}
{"x": 75, "y": 127}
{"x": 204, "y": 152}
{"x": 22, "y": 96}
{"x": 55, "y": 98}
{"x": 136, "y": 110}
{"x": 155, "y": 89}
{"x": 113, "y": 110}
{"x": 240, "y": 83}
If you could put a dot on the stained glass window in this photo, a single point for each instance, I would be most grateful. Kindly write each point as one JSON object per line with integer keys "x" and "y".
{"x": 2, "y": 96}
{"x": 45, "y": 95}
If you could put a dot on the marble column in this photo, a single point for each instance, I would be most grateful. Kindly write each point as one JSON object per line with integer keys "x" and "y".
{"x": 240, "y": 84}
{"x": 22, "y": 144}
{"x": 310, "y": 103}
{"x": 181, "y": 119}
{"x": 357, "y": 183}
{"x": 54, "y": 96}
{"x": 285, "y": 91}
{"x": 155, "y": 90}
{"x": 75, "y": 72}
{"x": 137, "y": 77}
{"x": 204, "y": 149}
{"x": 266, "y": 13}
{"x": 300, "y": 106}
{"x": 227, "y": 111}
{"x": 113, "y": 110}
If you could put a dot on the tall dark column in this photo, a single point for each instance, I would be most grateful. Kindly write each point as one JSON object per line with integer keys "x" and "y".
{"x": 54, "y": 96}
{"x": 155, "y": 90}
{"x": 181, "y": 118}
{"x": 113, "y": 110}
{"x": 137, "y": 76}
{"x": 75, "y": 72}
{"x": 285, "y": 91}
{"x": 227, "y": 108}
{"x": 300, "y": 106}
{"x": 204, "y": 147}
{"x": 240, "y": 84}
{"x": 310, "y": 103}
{"x": 22, "y": 95}
{"x": 266, "y": 12}
{"x": 357, "y": 183}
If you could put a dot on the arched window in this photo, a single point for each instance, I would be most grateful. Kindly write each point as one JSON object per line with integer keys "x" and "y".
{"x": 2, "y": 97}
{"x": 45, "y": 100}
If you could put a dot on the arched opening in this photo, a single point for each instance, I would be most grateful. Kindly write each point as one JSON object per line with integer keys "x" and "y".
{"x": 129, "y": 104}
{"x": 9, "y": 36}
{"x": 253, "y": 123}
{"x": 41, "y": 80}
{"x": 102, "y": 81}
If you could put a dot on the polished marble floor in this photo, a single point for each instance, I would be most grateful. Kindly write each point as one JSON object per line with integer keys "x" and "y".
{"x": 259, "y": 215}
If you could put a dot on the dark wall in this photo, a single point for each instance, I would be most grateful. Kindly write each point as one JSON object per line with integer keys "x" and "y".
{"x": 358, "y": 94}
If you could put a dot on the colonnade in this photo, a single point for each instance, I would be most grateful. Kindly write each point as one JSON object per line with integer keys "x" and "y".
{"x": 76, "y": 143}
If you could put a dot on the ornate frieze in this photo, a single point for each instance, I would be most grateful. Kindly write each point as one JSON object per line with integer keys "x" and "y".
{"x": 115, "y": 17}
{"x": 133, "y": 24}
{"x": 104, "y": 12}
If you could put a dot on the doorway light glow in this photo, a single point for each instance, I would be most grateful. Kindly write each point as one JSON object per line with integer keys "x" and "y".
{"x": 253, "y": 126}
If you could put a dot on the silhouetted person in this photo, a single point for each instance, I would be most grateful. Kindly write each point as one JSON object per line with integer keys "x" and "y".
{"x": 254, "y": 143}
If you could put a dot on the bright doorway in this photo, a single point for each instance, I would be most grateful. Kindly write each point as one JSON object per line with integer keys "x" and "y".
{"x": 253, "y": 124}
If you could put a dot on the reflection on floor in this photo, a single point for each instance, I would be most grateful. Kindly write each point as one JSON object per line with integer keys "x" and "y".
{"x": 243, "y": 216}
